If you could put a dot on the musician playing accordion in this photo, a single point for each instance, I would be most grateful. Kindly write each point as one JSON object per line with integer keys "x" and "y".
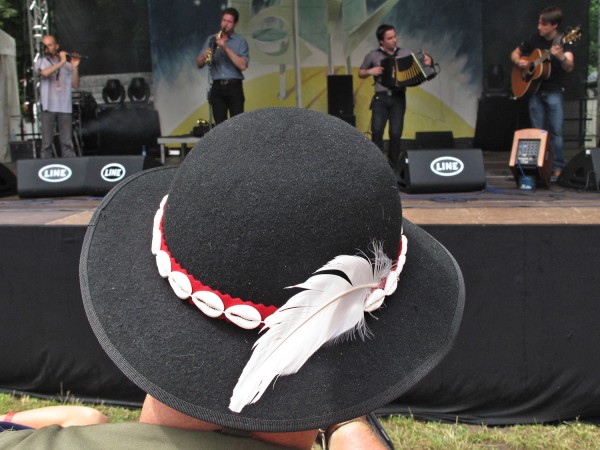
{"x": 388, "y": 103}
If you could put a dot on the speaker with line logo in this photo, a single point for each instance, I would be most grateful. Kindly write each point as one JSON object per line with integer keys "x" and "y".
{"x": 51, "y": 177}
{"x": 62, "y": 177}
{"x": 441, "y": 170}
{"x": 104, "y": 172}
{"x": 582, "y": 172}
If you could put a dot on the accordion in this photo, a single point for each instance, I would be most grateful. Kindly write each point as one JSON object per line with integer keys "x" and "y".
{"x": 408, "y": 70}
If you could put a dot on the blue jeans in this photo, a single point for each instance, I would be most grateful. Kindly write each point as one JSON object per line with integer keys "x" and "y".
{"x": 546, "y": 113}
{"x": 392, "y": 108}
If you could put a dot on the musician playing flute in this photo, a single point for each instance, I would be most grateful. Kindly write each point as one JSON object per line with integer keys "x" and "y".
{"x": 546, "y": 105}
{"x": 227, "y": 55}
{"x": 388, "y": 104}
{"x": 57, "y": 77}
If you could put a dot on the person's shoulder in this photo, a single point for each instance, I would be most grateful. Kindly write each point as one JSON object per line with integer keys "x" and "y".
{"x": 403, "y": 51}
{"x": 130, "y": 435}
{"x": 238, "y": 36}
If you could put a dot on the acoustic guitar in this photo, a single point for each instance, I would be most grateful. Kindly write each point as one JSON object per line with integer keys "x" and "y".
{"x": 526, "y": 81}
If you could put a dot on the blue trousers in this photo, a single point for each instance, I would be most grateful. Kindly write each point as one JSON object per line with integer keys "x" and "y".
{"x": 388, "y": 108}
{"x": 546, "y": 113}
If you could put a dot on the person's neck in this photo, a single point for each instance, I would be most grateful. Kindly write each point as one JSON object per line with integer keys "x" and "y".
{"x": 552, "y": 35}
{"x": 157, "y": 413}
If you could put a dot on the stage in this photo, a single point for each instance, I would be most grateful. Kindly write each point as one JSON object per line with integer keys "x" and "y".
{"x": 526, "y": 352}
{"x": 500, "y": 203}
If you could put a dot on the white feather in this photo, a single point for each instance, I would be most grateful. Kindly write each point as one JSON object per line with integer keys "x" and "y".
{"x": 330, "y": 307}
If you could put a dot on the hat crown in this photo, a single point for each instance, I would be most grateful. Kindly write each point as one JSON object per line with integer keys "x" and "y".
{"x": 268, "y": 197}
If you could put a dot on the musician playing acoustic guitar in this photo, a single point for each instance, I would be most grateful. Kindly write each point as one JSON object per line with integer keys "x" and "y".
{"x": 547, "y": 94}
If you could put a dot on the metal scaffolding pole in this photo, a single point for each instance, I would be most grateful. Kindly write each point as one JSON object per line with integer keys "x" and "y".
{"x": 37, "y": 19}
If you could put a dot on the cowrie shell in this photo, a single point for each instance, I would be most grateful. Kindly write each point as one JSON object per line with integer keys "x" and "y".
{"x": 209, "y": 303}
{"x": 244, "y": 316}
{"x": 163, "y": 263}
{"x": 391, "y": 283}
{"x": 374, "y": 300}
{"x": 158, "y": 217}
{"x": 156, "y": 240}
{"x": 181, "y": 284}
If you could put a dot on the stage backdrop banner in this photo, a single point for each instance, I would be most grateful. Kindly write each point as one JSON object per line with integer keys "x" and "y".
{"x": 289, "y": 64}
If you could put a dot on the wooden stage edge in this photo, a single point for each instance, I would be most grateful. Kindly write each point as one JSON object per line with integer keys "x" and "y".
{"x": 542, "y": 207}
{"x": 500, "y": 203}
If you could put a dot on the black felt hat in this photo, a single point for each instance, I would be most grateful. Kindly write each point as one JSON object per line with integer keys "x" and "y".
{"x": 263, "y": 201}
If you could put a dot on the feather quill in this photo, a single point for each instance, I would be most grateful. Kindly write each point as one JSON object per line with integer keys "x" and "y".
{"x": 329, "y": 308}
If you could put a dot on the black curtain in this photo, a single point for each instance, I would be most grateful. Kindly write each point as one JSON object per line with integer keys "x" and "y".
{"x": 114, "y": 34}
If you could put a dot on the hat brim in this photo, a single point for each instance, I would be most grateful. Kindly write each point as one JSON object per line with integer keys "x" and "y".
{"x": 191, "y": 362}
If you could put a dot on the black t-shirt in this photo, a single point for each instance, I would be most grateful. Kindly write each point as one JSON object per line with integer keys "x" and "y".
{"x": 556, "y": 80}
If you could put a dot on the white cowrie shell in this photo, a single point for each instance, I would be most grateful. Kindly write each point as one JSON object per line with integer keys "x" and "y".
{"x": 374, "y": 300}
{"x": 391, "y": 283}
{"x": 156, "y": 240}
{"x": 158, "y": 217}
{"x": 401, "y": 262}
{"x": 181, "y": 284}
{"x": 244, "y": 316}
{"x": 209, "y": 303}
{"x": 163, "y": 263}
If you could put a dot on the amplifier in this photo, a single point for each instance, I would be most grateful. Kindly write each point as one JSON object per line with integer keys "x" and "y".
{"x": 531, "y": 155}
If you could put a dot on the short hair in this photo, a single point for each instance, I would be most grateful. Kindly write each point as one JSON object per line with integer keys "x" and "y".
{"x": 232, "y": 12}
{"x": 381, "y": 30}
{"x": 552, "y": 15}
{"x": 50, "y": 36}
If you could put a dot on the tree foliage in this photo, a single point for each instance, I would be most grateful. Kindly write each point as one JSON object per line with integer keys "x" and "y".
{"x": 7, "y": 12}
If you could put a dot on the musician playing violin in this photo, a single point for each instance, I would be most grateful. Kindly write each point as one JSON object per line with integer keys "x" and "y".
{"x": 57, "y": 76}
{"x": 546, "y": 104}
{"x": 388, "y": 104}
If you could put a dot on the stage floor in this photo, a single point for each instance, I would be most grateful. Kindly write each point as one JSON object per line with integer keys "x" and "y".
{"x": 501, "y": 202}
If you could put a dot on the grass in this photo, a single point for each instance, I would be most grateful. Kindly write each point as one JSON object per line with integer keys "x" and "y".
{"x": 16, "y": 403}
{"x": 408, "y": 433}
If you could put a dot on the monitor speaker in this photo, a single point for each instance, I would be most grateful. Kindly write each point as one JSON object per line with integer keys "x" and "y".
{"x": 61, "y": 177}
{"x": 582, "y": 172}
{"x": 441, "y": 170}
{"x": 340, "y": 97}
{"x": 8, "y": 182}
{"x": 531, "y": 156}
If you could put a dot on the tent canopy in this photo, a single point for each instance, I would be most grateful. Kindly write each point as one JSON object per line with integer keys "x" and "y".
{"x": 9, "y": 92}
